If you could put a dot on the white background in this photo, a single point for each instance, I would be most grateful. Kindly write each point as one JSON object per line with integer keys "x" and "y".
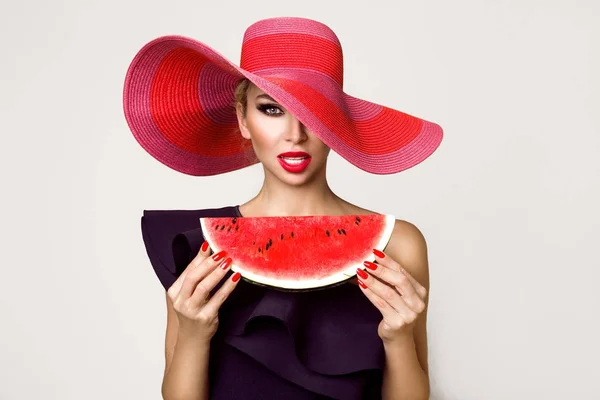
{"x": 508, "y": 203}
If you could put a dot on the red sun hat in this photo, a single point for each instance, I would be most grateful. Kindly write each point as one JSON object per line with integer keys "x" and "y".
{"x": 179, "y": 101}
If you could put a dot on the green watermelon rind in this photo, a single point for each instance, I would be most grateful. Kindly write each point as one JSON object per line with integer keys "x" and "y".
{"x": 306, "y": 284}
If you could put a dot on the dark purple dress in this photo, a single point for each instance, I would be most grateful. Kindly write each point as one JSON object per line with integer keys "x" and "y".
{"x": 272, "y": 344}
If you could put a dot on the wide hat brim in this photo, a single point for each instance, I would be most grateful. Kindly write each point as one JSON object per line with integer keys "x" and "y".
{"x": 179, "y": 104}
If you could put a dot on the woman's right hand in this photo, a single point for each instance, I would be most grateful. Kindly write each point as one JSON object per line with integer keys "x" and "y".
{"x": 196, "y": 311}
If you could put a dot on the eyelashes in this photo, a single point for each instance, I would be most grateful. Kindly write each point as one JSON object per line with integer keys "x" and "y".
{"x": 270, "y": 109}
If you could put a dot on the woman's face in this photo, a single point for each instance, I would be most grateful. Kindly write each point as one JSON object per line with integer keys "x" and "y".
{"x": 285, "y": 147}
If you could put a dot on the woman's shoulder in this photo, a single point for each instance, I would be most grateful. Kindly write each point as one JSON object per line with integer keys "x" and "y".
{"x": 161, "y": 224}
{"x": 170, "y": 236}
{"x": 407, "y": 245}
{"x": 405, "y": 233}
{"x": 407, "y": 242}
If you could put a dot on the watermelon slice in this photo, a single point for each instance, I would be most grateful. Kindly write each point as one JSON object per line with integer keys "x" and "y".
{"x": 299, "y": 252}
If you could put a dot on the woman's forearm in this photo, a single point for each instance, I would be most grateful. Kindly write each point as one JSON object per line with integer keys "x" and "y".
{"x": 403, "y": 377}
{"x": 186, "y": 378}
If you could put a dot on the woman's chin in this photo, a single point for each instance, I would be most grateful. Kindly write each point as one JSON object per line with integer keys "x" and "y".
{"x": 294, "y": 178}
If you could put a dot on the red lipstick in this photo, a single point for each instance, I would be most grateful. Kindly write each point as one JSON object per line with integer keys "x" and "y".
{"x": 294, "y": 161}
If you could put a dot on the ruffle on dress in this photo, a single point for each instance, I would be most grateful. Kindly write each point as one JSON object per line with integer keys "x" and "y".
{"x": 324, "y": 340}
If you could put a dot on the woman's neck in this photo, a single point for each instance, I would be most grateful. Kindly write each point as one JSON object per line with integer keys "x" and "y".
{"x": 276, "y": 198}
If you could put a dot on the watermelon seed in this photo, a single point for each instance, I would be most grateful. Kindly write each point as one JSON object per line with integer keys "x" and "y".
{"x": 234, "y": 220}
{"x": 216, "y": 227}
{"x": 358, "y": 219}
{"x": 228, "y": 228}
{"x": 327, "y": 232}
{"x": 270, "y": 242}
{"x": 236, "y": 227}
{"x": 259, "y": 250}
{"x": 282, "y": 236}
{"x": 339, "y": 232}
{"x": 267, "y": 246}
{"x": 356, "y": 222}
{"x": 292, "y": 234}
{"x": 254, "y": 243}
{"x": 343, "y": 231}
{"x": 223, "y": 227}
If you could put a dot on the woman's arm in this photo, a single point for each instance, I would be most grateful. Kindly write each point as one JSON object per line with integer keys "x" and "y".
{"x": 192, "y": 321}
{"x": 406, "y": 374}
{"x": 403, "y": 375}
{"x": 186, "y": 362}
{"x": 399, "y": 287}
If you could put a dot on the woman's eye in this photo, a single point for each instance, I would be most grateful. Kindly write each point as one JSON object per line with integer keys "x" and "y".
{"x": 270, "y": 109}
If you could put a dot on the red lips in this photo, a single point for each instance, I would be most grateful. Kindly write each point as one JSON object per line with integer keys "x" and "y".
{"x": 294, "y": 166}
{"x": 294, "y": 154}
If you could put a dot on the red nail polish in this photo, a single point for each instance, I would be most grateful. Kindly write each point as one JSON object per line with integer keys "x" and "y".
{"x": 219, "y": 255}
{"x": 205, "y": 246}
{"x": 236, "y": 277}
{"x": 362, "y": 273}
{"x": 226, "y": 263}
{"x": 370, "y": 265}
{"x": 362, "y": 284}
{"x": 378, "y": 253}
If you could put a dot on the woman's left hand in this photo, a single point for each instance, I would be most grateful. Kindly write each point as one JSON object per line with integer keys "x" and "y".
{"x": 397, "y": 295}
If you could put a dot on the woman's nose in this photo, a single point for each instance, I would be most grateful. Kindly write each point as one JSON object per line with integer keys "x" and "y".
{"x": 296, "y": 131}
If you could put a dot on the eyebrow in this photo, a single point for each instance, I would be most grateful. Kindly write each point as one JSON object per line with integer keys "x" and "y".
{"x": 266, "y": 96}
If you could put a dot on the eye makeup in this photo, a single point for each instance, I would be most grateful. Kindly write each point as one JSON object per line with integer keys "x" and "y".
{"x": 268, "y": 109}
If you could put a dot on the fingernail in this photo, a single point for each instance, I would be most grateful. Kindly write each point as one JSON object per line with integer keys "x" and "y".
{"x": 219, "y": 255}
{"x": 226, "y": 263}
{"x": 362, "y": 284}
{"x": 370, "y": 265}
{"x": 205, "y": 246}
{"x": 378, "y": 253}
{"x": 361, "y": 273}
{"x": 236, "y": 277}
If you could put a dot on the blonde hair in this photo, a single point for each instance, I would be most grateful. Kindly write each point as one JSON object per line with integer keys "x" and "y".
{"x": 241, "y": 94}
{"x": 241, "y": 97}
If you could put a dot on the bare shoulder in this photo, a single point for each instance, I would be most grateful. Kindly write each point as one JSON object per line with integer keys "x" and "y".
{"x": 407, "y": 240}
{"x": 409, "y": 248}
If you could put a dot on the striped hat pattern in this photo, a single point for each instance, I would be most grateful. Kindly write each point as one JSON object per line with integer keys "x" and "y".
{"x": 179, "y": 101}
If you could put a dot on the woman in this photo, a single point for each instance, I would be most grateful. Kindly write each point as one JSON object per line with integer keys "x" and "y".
{"x": 227, "y": 338}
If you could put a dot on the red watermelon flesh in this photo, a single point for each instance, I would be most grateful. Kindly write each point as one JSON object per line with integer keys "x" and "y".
{"x": 299, "y": 252}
